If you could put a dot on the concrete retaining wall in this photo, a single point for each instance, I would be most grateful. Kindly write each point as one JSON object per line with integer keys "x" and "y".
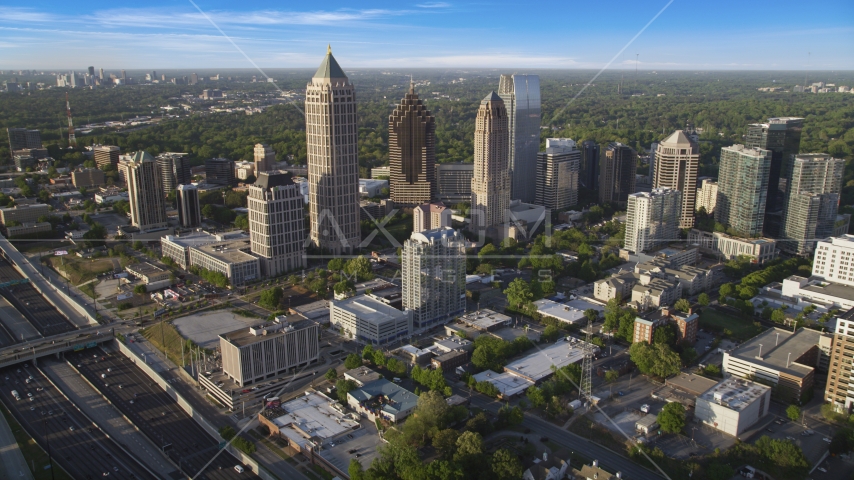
{"x": 248, "y": 461}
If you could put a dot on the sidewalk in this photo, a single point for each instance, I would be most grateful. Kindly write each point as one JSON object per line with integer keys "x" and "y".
{"x": 12, "y": 461}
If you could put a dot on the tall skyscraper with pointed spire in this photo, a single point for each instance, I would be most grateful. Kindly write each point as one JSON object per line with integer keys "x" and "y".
{"x": 412, "y": 151}
{"x": 521, "y": 95}
{"x": 333, "y": 161}
{"x": 490, "y": 186}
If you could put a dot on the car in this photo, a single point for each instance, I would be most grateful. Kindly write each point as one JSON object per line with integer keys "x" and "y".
{"x": 822, "y": 469}
{"x": 238, "y": 469}
{"x": 825, "y": 439}
{"x": 358, "y": 455}
{"x": 620, "y": 393}
{"x": 115, "y": 469}
{"x": 32, "y": 408}
{"x": 29, "y": 394}
{"x": 769, "y": 430}
{"x": 71, "y": 428}
{"x": 105, "y": 474}
{"x": 351, "y": 451}
{"x": 131, "y": 402}
{"x": 790, "y": 438}
{"x": 50, "y": 412}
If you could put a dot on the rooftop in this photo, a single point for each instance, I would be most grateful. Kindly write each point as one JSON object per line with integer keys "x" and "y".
{"x": 199, "y": 238}
{"x": 560, "y": 311}
{"x": 677, "y": 138}
{"x": 776, "y": 344}
{"x": 144, "y": 268}
{"x": 329, "y": 67}
{"x": 537, "y": 365}
{"x": 484, "y": 318}
{"x": 273, "y": 179}
{"x": 369, "y": 309}
{"x": 397, "y": 398}
{"x": 362, "y": 375}
{"x": 831, "y": 289}
{"x": 506, "y": 383}
{"x": 435, "y": 235}
{"x": 247, "y": 336}
{"x": 229, "y": 252}
{"x": 691, "y": 383}
{"x": 735, "y": 393}
{"x": 313, "y": 415}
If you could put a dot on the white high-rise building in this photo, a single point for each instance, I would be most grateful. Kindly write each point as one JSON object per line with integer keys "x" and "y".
{"x": 707, "y": 195}
{"x": 265, "y": 158}
{"x": 557, "y": 174}
{"x": 652, "y": 219}
{"x": 434, "y": 276}
{"x": 276, "y": 225}
{"x": 676, "y": 162}
{"x": 189, "y": 212}
{"x": 145, "y": 191}
{"x": 333, "y": 160}
{"x": 834, "y": 260}
{"x": 490, "y": 185}
{"x": 521, "y": 95}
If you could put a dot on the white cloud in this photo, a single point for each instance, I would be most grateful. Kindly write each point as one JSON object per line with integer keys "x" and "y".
{"x": 433, "y": 5}
{"x": 15, "y": 14}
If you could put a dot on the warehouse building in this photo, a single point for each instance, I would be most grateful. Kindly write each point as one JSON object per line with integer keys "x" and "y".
{"x": 733, "y": 405}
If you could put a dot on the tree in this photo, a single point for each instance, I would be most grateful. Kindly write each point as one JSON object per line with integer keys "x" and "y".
{"x": 355, "y": 470}
{"x": 658, "y": 359}
{"x": 335, "y": 265}
{"x": 518, "y": 293}
{"x": 778, "y": 316}
{"x": 506, "y": 466}
{"x": 682, "y": 305}
{"x": 359, "y": 267}
{"x": 331, "y": 375}
{"x": 551, "y": 333}
{"x": 242, "y": 222}
{"x": 591, "y": 314}
{"x": 611, "y": 376}
{"x": 139, "y": 289}
{"x": 688, "y": 355}
{"x": 445, "y": 442}
{"x": 664, "y": 334}
{"x": 726, "y": 290}
{"x": 352, "y": 361}
{"x": 479, "y": 424}
{"x": 469, "y": 443}
{"x": 271, "y": 299}
{"x": 343, "y": 387}
{"x": 703, "y": 299}
{"x": 793, "y": 412}
{"x": 368, "y": 353}
{"x": 536, "y": 396}
{"x": 672, "y": 417}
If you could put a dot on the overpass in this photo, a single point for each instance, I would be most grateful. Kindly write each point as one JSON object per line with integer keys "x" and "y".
{"x": 67, "y": 342}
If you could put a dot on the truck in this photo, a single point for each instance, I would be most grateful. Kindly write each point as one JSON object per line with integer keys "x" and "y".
{"x": 16, "y": 395}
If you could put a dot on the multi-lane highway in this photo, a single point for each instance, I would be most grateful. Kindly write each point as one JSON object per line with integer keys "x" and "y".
{"x": 80, "y": 448}
{"x": 157, "y": 415}
{"x": 27, "y": 300}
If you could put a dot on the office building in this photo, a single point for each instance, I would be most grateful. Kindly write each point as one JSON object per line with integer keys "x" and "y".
{"x": 265, "y": 158}
{"x": 834, "y": 260}
{"x": 707, "y": 195}
{"x": 453, "y": 180}
{"x": 145, "y": 191}
{"x": 434, "y": 276}
{"x": 412, "y": 151}
{"x": 21, "y": 138}
{"x": 23, "y": 213}
{"x": 175, "y": 170}
{"x": 521, "y": 99}
{"x": 759, "y": 250}
{"x": 189, "y": 211}
{"x": 839, "y": 390}
{"x": 814, "y": 186}
{"x": 733, "y": 405}
{"x": 676, "y": 161}
{"x": 590, "y": 164}
{"x": 124, "y": 77}
{"x": 244, "y": 170}
{"x": 782, "y": 136}
{"x": 490, "y": 185}
{"x": 617, "y": 173}
{"x": 177, "y": 247}
{"x": 88, "y": 178}
{"x": 259, "y": 353}
{"x": 220, "y": 171}
{"x": 28, "y": 229}
{"x": 333, "y": 161}
{"x": 652, "y": 219}
{"x": 429, "y": 216}
{"x": 276, "y": 224}
{"x": 368, "y": 320}
{"x": 152, "y": 276}
{"x": 105, "y": 155}
{"x": 230, "y": 258}
{"x": 743, "y": 189}
{"x": 557, "y": 174}
{"x": 780, "y": 358}
{"x": 380, "y": 173}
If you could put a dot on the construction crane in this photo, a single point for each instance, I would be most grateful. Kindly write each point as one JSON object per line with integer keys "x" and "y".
{"x": 72, "y": 142}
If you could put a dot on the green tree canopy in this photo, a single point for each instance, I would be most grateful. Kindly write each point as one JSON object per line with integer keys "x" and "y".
{"x": 672, "y": 417}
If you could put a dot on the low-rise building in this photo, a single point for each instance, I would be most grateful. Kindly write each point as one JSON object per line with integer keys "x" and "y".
{"x": 618, "y": 286}
{"x": 647, "y": 424}
{"x": 692, "y": 279}
{"x": 309, "y": 421}
{"x": 447, "y": 362}
{"x": 362, "y": 376}
{"x": 29, "y": 228}
{"x": 508, "y": 385}
{"x": 454, "y": 344}
{"x": 382, "y": 399}
{"x": 804, "y": 291}
{"x": 560, "y": 312}
{"x": 23, "y": 213}
{"x": 371, "y": 188}
{"x": 651, "y": 292}
{"x": 369, "y": 320}
{"x": 760, "y": 250}
{"x": 266, "y": 351}
{"x": 151, "y": 275}
{"x": 733, "y": 405}
{"x": 88, "y": 178}
{"x": 485, "y": 320}
{"x": 228, "y": 258}
{"x": 686, "y": 325}
{"x": 110, "y": 194}
{"x": 537, "y": 366}
{"x": 177, "y": 247}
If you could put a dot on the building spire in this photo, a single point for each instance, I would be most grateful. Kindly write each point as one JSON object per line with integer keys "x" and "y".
{"x": 411, "y": 85}
{"x": 329, "y": 49}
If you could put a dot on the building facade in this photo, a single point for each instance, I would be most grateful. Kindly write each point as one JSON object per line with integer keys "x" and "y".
{"x": 453, "y": 181}
{"x": 105, "y": 155}
{"x": 557, "y": 174}
{"x": 733, "y": 405}
{"x": 652, "y": 219}
{"x": 220, "y": 171}
{"x": 21, "y": 138}
{"x": 88, "y": 178}
{"x": 265, "y": 158}
{"x": 743, "y": 189}
{"x": 590, "y": 164}
{"x": 228, "y": 258}
{"x": 412, "y": 152}
{"x": 429, "y": 216}
{"x": 333, "y": 162}
{"x": 490, "y": 186}
{"x": 145, "y": 191}
{"x": 521, "y": 95}
{"x": 189, "y": 211}
{"x": 252, "y": 355}
{"x": 175, "y": 170}
{"x": 676, "y": 162}
{"x": 707, "y": 195}
{"x": 368, "y": 320}
{"x": 617, "y": 173}
{"x": 834, "y": 260}
{"x": 839, "y": 390}
{"x": 812, "y": 199}
{"x": 760, "y": 250}
{"x": 276, "y": 225}
{"x": 434, "y": 276}
{"x": 782, "y": 136}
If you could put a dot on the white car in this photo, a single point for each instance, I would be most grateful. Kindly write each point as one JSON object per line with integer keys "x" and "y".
{"x": 826, "y": 439}
{"x": 822, "y": 469}
{"x": 71, "y": 428}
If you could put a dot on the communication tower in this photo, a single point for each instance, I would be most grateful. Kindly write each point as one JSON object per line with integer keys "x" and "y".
{"x": 72, "y": 142}
{"x": 586, "y": 385}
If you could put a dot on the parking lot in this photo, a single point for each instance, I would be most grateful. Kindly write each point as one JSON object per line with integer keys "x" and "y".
{"x": 813, "y": 446}
{"x": 204, "y": 328}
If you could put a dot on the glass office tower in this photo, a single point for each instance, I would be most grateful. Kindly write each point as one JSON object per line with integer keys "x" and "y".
{"x": 521, "y": 95}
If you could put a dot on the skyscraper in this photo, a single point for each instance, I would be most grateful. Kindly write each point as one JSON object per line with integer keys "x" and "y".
{"x": 676, "y": 161}
{"x": 812, "y": 198}
{"x": 189, "y": 211}
{"x": 521, "y": 95}
{"x": 490, "y": 185}
{"x": 92, "y": 71}
{"x": 652, "y": 219}
{"x": 166, "y": 165}
{"x": 265, "y": 158}
{"x": 276, "y": 226}
{"x": 145, "y": 191}
{"x": 181, "y": 169}
{"x": 106, "y": 155}
{"x": 21, "y": 138}
{"x": 743, "y": 189}
{"x": 101, "y": 74}
{"x": 454, "y": 182}
{"x": 333, "y": 160}
{"x": 220, "y": 171}
{"x": 434, "y": 276}
{"x": 590, "y": 164}
{"x": 124, "y": 77}
{"x": 617, "y": 173}
{"x": 411, "y": 151}
{"x": 557, "y": 174}
{"x": 782, "y": 136}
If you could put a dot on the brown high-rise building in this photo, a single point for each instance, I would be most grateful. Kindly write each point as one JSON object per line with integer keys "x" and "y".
{"x": 676, "y": 161}
{"x": 412, "y": 152}
{"x": 490, "y": 186}
{"x": 105, "y": 155}
{"x": 617, "y": 173}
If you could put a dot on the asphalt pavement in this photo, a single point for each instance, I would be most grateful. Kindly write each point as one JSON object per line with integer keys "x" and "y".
{"x": 11, "y": 459}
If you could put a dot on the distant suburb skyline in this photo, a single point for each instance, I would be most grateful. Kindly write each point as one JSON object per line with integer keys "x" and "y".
{"x": 723, "y": 35}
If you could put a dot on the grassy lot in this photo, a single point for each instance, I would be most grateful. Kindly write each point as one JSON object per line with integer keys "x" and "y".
{"x": 78, "y": 270}
{"x": 42, "y": 246}
{"x": 161, "y": 333}
{"x": 33, "y": 452}
{"x": 89, "y": 289}
{"x": 741, "y": 327}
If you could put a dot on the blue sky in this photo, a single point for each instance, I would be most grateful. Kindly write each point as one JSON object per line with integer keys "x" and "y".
{"x": 707, "y": 35}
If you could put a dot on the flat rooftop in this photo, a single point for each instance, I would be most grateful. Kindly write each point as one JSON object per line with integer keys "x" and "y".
{"x": 735, "y": 393}
{"x": 362, "y": 375}
{"x": 831, "y": 289}
{"x": 369, "y": 309}
{"x": 397, "y": 399}
{"x": 776, "y": 345}
{"x": 313, "y": 415}
{"x": 200, "y": 238}
{"x": 484, "y": 319}
{"x": 228, "y": 252}
{"x": 245, "y": 336}
{"x": 560, "y": 311}
{"x": 313, "y": 310}
{"x": 506, "y": 383}
{"x": 691, "y": 383}
{"x": 537, "y": 365}
{"x": 144, "y": 268}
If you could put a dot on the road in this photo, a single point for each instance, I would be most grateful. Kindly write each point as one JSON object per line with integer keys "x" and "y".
{"x": 79, "y": 447}
{"x": 106, "y": 416}
{"x": 11, "y": 459}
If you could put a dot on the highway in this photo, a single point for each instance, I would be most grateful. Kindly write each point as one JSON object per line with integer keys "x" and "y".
{"x": 157, "y": 415}
{"x": 79, "y": 447}
{"x": 27, "y": 300}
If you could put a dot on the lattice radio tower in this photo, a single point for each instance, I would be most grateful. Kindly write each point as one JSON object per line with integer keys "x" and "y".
{"x": 72, "y": 142}
{"x": 586, "y": 385}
